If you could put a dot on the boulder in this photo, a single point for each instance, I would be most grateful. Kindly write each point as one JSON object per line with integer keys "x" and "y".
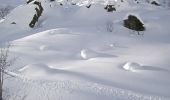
{"x": 134, "y": 23}
{"x": 155, "y": 3}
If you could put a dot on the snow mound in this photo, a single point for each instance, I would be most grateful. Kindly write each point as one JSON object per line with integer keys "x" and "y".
{"x": 135, "y": 67}
{"x": 36, "y": 70}
{"x": 132, "y": 66}
{"x": 88, "y": 54}
{"x": 43, "y": 47}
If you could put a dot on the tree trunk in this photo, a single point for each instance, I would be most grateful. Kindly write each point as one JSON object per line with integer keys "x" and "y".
{"x": 1, "y": 92}
{"x": 1, "y": 85}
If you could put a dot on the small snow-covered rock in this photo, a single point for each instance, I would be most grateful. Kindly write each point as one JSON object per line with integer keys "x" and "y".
{"x": 131, "y": 66}
{"x": 87, "y": 54}
{"x": 43, "y": 47}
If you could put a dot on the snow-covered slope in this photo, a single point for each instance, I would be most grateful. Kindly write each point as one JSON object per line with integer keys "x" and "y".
{"x": 13, "y": 3}
{"x": 80, "y": 53}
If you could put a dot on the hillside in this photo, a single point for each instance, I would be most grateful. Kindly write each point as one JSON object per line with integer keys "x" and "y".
{"x": 78, "y": 50}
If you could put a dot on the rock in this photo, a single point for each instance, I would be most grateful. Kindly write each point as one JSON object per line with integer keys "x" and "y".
{"x": 134, "y": 23}
{"x": 110, "y": 8}
{"x": 36, "y": 16}
{"x": 13, "y": 23}
{"x": 131, "y": 66}
{"x": 155, "y": 3}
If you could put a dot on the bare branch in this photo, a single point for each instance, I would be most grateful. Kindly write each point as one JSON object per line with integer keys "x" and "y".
{"x": 5, "y": 62}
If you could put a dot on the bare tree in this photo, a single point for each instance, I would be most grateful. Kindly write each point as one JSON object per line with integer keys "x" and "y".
{"x": 5, "y": 62}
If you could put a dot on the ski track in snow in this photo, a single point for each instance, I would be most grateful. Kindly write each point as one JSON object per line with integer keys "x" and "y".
{"x": 54, "y": 90}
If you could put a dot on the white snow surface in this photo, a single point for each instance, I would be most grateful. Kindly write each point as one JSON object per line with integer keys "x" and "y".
{"x": 71, "y": 55}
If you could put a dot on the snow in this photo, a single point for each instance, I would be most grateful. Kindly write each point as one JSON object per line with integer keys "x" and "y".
{"x": 70, "y": 54}
{"x": 21, "y": 23}
{"x": 87, "y": 54}
{"x": 131, "y": 66}
{"x": 13, "y": 3}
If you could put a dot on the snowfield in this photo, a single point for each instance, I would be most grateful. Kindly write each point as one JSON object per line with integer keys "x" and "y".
{"x": 80, "y": 53}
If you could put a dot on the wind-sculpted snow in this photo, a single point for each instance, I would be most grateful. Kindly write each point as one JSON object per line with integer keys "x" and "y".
{"x": 80, "y": 53}
{"x": 87, "y": 54}
{"x": 62, "y": 90}
{"x": 135, "y": 67}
